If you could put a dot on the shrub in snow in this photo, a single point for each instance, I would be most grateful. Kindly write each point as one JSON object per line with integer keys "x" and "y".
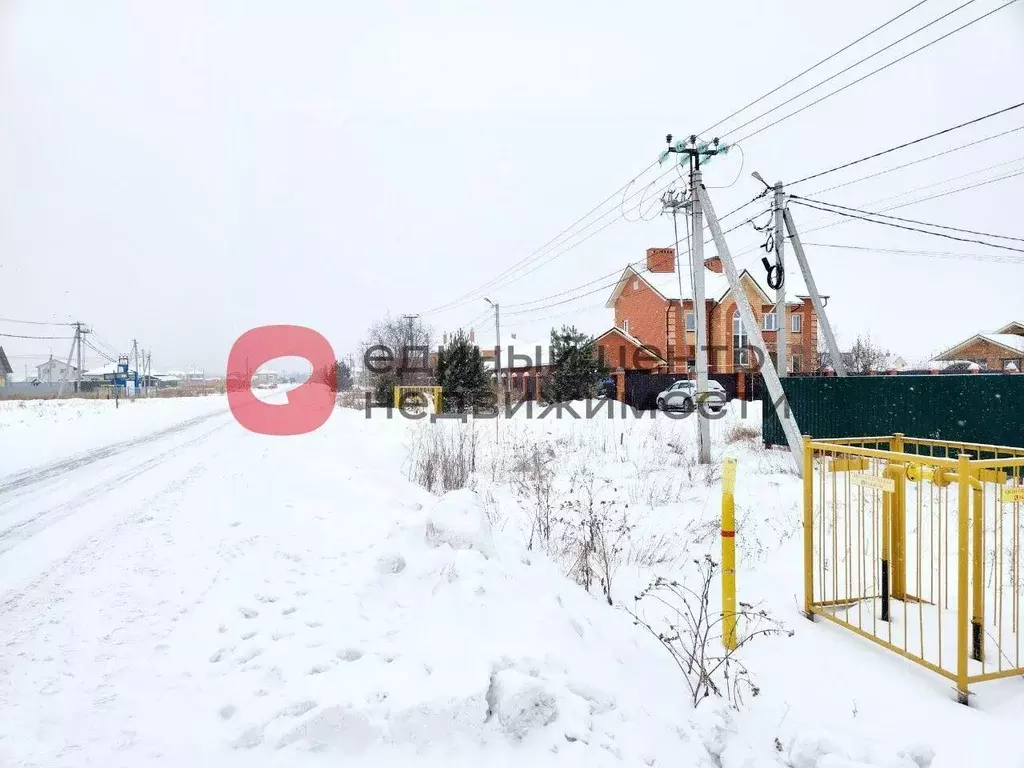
{"x": 590, "y": 534}
{"x": 533, "y": 477}
{"x": 692, "y": 634}
{"x": 741, "y": 431}
{"x": 442, "y": 456}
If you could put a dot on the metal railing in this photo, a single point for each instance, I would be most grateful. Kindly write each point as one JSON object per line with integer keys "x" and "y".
{"x": 915, "y": 544}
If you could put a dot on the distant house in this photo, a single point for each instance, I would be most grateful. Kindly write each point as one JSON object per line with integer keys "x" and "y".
{"x": 54, "y": 370}
{"x": 5, "y": 368}
{"x": 655, "y": 322}
{"x": 992, "y": 351}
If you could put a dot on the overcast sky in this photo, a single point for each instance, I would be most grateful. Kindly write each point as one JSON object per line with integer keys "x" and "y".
{"x": 179, "y": 172}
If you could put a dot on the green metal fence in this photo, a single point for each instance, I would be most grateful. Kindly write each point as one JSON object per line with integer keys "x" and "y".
{"x": 962, "y": 408}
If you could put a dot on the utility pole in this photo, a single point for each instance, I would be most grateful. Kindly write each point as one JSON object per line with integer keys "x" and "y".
{"x": 135, "y": 355}
{"x": 782, "y": 334}
{"x": 694, "y": 150}
{"x": 768, "y": 371}
{"x": 408, "y": 344}
{"x": 812, "y": 288}
{"x": 497, "y": 347}
{"x": 76, "y": 340}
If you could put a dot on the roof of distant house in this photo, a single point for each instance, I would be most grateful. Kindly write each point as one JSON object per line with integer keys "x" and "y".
{"x": 5, "y": 365}
{"x": 716, "y": 285}
{"x": 56, "y": 361}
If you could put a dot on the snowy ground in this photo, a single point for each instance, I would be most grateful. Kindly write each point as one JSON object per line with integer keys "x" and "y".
{"x": 209, "y": 596}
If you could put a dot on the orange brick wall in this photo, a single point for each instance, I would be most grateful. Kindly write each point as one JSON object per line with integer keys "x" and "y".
{"x": 646, "y": 311}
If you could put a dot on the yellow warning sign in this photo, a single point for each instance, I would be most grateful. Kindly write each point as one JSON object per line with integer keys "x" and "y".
{"x": 1013, "y": 494}
{"x": 873, "y": 481}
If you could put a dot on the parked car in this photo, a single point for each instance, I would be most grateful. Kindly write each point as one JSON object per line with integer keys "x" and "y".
{"x": 683, "y": 395}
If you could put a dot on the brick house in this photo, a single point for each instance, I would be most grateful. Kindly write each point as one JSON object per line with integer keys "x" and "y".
{"x": 651, "y": 311}
{"x": 992, "y": 351}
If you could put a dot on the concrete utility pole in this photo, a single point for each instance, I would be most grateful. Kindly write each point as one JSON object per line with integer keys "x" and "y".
{"x": 694, "y": 150}
{"x": 812, "y": 288}
{"x": 497, "y": 347}
{"x": 67, "y": 365}
{"x": 700, "y": 308}
{"x": 135, "y": 355}
{"x": 771, "y": 377}
{"x": 409, "y": 338}
{"x": 78, "y": 375}
{"x": 782, "y": 335}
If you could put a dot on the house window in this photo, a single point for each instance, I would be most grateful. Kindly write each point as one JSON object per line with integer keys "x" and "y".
{"x": 771, "y": 321}
{"x": 796, "y": 364}
{"x": 691, "y": 321}
{"x": 691, "y": 364}
{"x": 636, "y": 285}
{"x": 740, "y": 353}
{"x": 795, "y": 322}
{"x": 625, "y": 326}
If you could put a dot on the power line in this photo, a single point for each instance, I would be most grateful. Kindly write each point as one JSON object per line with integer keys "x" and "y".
{"x": 912, "y": 221}
{"x": 542, "y": 247}
{"x": 32, "y": 322}
{"x": 919, "y": 160}
{"x": 944, "y": 131}
{"x": 909, "y": 229}
{"x": 15, "y": 336}
{"x": 831, "y": 56}
{"x": 862, "y": 78}
{"x": 997, "y": 257}
{"x": 617, "y": 273}
{"x": 597, "y": 231}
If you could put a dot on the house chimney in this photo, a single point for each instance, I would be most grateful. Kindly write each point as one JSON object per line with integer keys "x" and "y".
{"x": 661, "y": 260}
{"x": 714, "y": 264}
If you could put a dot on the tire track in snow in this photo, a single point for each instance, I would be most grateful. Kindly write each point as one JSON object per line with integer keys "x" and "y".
{"x": 24, "y": 529}
{"x": 26, "y": 480}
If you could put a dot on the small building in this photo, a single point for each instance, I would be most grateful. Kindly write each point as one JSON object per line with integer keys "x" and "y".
{"x": 5, "y": 368}
{"x": 994, "y": 351}
{"x": 106, "y": 374}
{"x": 54, "y": 370}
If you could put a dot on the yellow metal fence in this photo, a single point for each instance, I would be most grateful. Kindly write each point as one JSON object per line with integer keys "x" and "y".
{"x": 915, "y": 544}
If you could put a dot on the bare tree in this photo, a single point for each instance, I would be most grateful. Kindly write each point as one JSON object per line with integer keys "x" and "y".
{"x": 398, "y": 352}
{"x": 866, "y": 354}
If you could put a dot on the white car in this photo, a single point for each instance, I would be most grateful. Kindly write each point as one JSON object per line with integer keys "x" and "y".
{"x": 683, "y": 395}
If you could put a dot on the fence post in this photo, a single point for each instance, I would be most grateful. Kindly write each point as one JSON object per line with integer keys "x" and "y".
{"x": 808, "y": 527}
{"x": 978, "y": 573}
{"x": 729, "y": 555}
{"x": 886, "y": 548}
{"x": 963, "y": 544}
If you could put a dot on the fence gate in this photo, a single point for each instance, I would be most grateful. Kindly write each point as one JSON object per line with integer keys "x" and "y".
{"x": 915, "y": 544}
